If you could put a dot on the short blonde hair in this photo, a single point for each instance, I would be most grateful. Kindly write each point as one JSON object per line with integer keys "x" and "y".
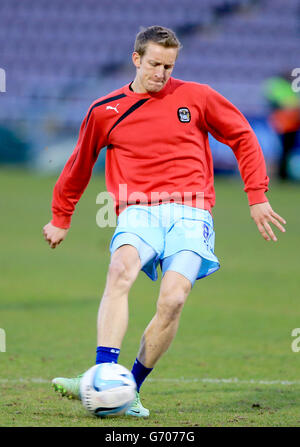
{"x": 157, "y": 34}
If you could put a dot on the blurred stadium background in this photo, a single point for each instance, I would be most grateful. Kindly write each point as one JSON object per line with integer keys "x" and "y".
{"x": 59, "y": 56}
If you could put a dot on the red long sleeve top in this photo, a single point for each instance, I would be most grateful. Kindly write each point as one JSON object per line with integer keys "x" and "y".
{"x": 158, "y": 143}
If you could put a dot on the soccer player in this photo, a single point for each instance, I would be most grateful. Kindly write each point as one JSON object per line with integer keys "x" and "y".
{"x": 156, "y": 133}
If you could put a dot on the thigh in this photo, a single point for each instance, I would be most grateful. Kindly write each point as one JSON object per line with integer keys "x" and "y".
{"x": 128, "y": 256}
{"x": 138, "y": 226}
{"x": 141, "y": 222}
{"x": 185, "y": 262}
{"x": 144, "y": 251}
{"x": 197, "y": 236}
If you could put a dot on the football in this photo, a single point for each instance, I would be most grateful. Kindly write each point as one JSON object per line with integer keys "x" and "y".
{"x": 107, "y": 389}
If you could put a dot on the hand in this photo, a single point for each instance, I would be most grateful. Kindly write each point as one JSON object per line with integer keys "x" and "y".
{"x": 262, "y": 214}
{"x": 54, "y": 235}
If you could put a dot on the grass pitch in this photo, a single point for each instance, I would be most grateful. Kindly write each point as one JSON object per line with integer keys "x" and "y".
{"x": 231, "y": 363}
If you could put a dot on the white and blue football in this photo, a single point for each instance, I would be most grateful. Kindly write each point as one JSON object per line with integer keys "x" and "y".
{"x": 107, "y": 389}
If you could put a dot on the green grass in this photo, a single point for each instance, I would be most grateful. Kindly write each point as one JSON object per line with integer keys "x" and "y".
{"x": 236, "y": 323}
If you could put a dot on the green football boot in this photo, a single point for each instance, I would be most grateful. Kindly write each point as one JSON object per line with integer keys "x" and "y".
{"x": 68, "y": 387}
{"x": 136, "y": 409}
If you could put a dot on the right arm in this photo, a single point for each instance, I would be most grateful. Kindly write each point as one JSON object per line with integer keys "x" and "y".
{"x": 74, "y": 179}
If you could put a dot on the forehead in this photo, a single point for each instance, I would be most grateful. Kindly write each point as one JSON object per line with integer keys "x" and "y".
{"x": 160, "y": 54}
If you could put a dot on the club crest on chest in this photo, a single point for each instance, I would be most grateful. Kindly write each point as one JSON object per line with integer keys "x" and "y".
{"x": 184, "y": 115}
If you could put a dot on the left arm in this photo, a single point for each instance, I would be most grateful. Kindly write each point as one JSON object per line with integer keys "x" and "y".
{"x": 228, "y": 125}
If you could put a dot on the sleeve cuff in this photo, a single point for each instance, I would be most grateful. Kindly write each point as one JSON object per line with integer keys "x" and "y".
{"x": 256, "y": 196}
{"x": 61, "y": 221}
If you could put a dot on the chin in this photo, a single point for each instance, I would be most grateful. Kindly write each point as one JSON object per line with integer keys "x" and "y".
{"x": 154, "y": 88}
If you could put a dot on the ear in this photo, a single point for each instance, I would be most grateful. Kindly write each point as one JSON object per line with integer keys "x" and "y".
{"x": 136, "y": 59}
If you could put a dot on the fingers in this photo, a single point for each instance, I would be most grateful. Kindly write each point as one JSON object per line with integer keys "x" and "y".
{"x": 265, "y": 228}
{"x": 51, "y": 240}
{"x": 277, "y": 224}
{"x": 54, "y": 235}
{"x": 54, "y": 244}
{"x": 263, "y": 232}
{"x": 281, "y": 219}
{"x": 270, "y": 232}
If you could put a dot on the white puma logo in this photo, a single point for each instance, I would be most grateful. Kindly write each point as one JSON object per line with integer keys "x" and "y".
{"x": 113, "y": 108}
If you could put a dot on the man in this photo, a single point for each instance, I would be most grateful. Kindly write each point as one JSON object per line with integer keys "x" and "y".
{"x": 156, "y": 133}
{"x": 284, "y": 116}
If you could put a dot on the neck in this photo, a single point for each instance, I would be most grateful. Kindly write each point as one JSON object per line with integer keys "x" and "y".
{"x": 137, "y": 87}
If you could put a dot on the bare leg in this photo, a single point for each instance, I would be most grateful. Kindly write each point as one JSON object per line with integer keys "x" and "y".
{"x": 113, "y": 310}
{"x": 163, "y": 327}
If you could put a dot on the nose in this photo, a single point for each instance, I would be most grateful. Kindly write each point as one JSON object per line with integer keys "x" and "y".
{"x": 159, "y": 73}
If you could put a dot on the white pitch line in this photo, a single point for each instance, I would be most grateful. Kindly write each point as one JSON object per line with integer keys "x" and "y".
{"x": 179, "y": 380}
{"x": 231, "y": 380}
{"x": 28, "y": 380}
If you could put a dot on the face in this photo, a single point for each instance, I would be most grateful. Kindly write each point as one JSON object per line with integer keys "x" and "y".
{"x": 154, "y": 68}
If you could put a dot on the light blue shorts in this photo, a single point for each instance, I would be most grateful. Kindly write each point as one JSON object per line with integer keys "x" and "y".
{"x": 178, "y": 237}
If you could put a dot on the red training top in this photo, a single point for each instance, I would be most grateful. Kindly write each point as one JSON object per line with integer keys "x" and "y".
{"x": 158, "y": 143}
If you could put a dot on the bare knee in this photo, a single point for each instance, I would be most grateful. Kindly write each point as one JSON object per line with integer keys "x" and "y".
{"x": 123, "y": 270}
{"x": 117, "y": 270}
{"x": 170, "y": 305}
{"x": 173, "y": 295}
{"x": 118, "y": 276}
